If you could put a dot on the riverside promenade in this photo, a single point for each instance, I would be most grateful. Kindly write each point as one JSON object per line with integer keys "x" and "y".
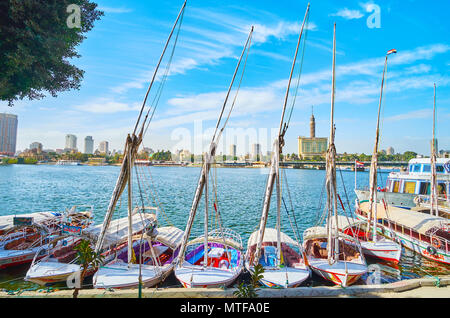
{"x": 429, "y": 287}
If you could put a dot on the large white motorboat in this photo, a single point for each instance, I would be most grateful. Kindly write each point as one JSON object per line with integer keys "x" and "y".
{"x": 411, "y": 189}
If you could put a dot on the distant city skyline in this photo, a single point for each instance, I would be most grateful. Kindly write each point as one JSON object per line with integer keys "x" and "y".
{"x": 255, "y": 149}
{"x": 212, "y": 35}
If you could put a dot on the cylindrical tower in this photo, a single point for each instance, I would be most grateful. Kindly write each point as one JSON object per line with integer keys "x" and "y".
{"x": 312, "y": 126}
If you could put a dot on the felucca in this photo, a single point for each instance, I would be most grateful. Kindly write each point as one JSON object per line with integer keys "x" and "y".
{"x": 328, "y": 251}
{"x": 25, "y": 237}
{"x": 372, "y": 243}
{"x": 426, "y": 233}
{"x": 149, "y": 256}
{"x": 215, "y": 258}
{"x": 274, "y": 250}
{"x": 57, "y": 265}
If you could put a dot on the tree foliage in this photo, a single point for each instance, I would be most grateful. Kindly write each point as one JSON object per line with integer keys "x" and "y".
{"x": 87, "y": 257}
{"x": 37, "y": 45}
{"x": 162, "y": 156}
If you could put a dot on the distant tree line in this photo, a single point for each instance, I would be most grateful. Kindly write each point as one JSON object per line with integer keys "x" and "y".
{"x": 161, "y": 156}
{"x": 406, "y": 156}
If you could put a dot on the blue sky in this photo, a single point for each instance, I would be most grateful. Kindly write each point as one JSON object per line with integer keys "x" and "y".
{"x": 121, "y": 52}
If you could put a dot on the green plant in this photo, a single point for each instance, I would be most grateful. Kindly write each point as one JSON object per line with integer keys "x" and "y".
{"x": 87, "y": 258}
{"x": 245, "y": 291}
{"x": 257, "y": 275}
{"x": 250, "y": 290}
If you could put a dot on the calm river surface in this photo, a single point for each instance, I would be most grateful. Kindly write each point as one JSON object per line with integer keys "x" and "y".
{"x": 36, "y": 188}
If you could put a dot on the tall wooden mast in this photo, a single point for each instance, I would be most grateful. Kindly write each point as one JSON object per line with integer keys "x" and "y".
{"x": 274, "y": 171}
{"x": 206, "y": 167}
{"x": 333, "y": 238}
{"x": 131, "y": 147}
{"x": 433, "y": 183}
{"x": 374, "y": 162}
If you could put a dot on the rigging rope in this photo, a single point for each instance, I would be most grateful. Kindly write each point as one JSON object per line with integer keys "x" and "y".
{"x": 299, "y": 73}
{"x": 246, "y": 48}
{"x": 156, "y": 70}
{"x": 157, "y": 97}
{"x": 237, "y": 91}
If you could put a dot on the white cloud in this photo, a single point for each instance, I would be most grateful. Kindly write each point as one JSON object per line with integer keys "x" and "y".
{"x": 420, "y": 53}
{"x": 418, "y": 69}
{"x": 205, "y": 46}
{"x": 262, "y": 33}
{"x": 315, "y": 89}
{"x": 416, "y": 114}
{"x": 348, "y": 14}
{"x": 107, "y": 106}
{"x": 114, "y": 10}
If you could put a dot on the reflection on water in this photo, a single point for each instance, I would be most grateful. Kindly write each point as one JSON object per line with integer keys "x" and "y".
{"x": 25, "y": 189}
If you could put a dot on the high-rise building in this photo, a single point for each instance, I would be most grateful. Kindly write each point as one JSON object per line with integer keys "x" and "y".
{"x": 312, "y": 146}
{"x": 256, "y": 151}
{"x": 233, "y": 151}
{"x": 71, "y": 142}
{"x": 103, "y": 147}
{"x": 8, "y": 134}
{"x": 36, "y": 145}
{"x": 88, "y": 145}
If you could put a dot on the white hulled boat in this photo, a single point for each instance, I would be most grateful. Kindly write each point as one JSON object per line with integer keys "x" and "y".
{"x": 371, "y": 243}
{"x": 159, "y": 248}
{"x": 327, "y": 249}
{"x": 21, "y": 242}
{"x": 214, "y": 258}
{"x": 59, "y": 264}
{"x": 282, "y": 259}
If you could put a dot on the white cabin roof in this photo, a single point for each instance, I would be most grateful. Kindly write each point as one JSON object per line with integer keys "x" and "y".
{"x": 315, "y": 232}
{"x": 7, "y": 221}
{"x": 118, "y": 229}
{"x": 428, "y": 160}
{"x": 170, "y": 236}
{"x": 417, "y": 221}
{"x": 270, "y": 235}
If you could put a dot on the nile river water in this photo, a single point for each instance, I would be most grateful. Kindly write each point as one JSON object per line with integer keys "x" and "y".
{"x": 36, "y": 188}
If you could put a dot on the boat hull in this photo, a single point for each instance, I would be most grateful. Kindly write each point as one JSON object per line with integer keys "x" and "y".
{"x": 287, "y": 277}
{"x": 15, "y": 258}
{"x": 385, "y": 250}
{"x": 121, "y": 275}
{"x": 53, "y": 272}
{"x": 192, "y": 276}
{"x": 411, "y": 243}
{"x": 337, "y": 272}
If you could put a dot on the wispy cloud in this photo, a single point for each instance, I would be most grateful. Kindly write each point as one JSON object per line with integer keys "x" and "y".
{"x": 416, "y": 114}
{"x": 418, "y": 69}
{"x": 106, "y": 106}
{"x": 316, "y": 88}
{"x": 348, "y": 14}
{"x": 208, "y": 46}
{"x": 114, "y": 10}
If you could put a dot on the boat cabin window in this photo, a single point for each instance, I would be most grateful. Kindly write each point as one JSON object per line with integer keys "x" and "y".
{"x": 396, "y": 187}
{"x": 440, "y": 168}
{"x": 416, "y": 168}
{"x": 426, "y": 168}
{"x": 410, "y": 187}
{"x": 424, "y": 188}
